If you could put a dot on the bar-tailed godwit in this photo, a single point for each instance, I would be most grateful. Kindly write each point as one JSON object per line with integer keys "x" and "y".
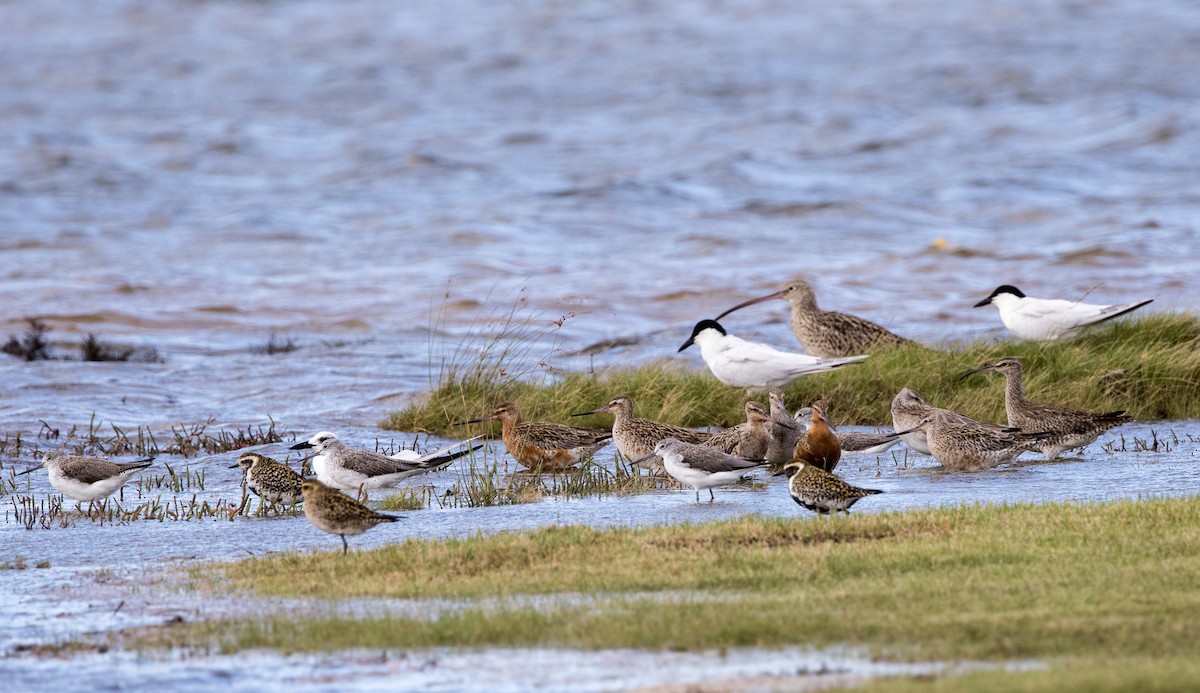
{"x": 544, "y": 445}
{"x": 825, "y": 333}
{"x": 1067, "y": 429}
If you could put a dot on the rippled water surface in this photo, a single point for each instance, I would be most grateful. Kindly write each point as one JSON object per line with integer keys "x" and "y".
{"x": 378, "y": 181}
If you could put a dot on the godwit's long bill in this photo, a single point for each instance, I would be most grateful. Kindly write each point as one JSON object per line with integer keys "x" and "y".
{"x": 542, "y": 445}
{"x": 1065, "y": 429}
{"x": 825, "y": 333}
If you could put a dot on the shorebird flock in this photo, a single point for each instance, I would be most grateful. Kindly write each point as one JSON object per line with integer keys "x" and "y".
{"x": 805, "y": 446}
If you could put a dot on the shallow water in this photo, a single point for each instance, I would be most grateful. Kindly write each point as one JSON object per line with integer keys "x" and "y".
{"x": 504, "y": 670}
{"x": 380, "y": 181}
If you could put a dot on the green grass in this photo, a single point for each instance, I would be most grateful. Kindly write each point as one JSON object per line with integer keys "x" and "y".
{"x": 1149, "y": 367}
{"x": 1051, "y": 582}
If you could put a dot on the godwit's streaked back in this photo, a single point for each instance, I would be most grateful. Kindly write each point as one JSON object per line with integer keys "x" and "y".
{"x": 909, "y": 408}
{"x": 748, "y": 440}
{"x": 785, "y": 433}
{"x": 827, "y": 333}
{"x": 543, "y": 445}
{"x": 635, "y": 438}
{"x": 972, "y": 446}
{"x": 1067, "y": 429}
{"x": 1050, "y": 318}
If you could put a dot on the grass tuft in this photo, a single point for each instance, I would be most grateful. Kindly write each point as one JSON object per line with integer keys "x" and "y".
{"x": 31, "y": 346}
{"x": 1148, "y": 366}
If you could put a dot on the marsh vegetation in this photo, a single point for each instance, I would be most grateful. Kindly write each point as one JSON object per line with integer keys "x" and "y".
{"x": 1149, "y": 367}
{"x": 1077, "y": 587}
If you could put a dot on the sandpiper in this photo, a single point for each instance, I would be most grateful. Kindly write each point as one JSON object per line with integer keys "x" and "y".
{"x": 820, "y": 491}
{"x": 909, "y": 408}
{"x": 824, "y": 333}
{"x": 973, "y": 446}
{"x": 269, "y": 479}
{"x": 635, "y": 438}
{"x": 340, "y": 466}
{"x": 756, "y": 367}
{"x": 700, "y": 466}
{"x": 784, "y": 441}
{"x": 1067, "y": 429}
{"x": 86, "y": 478}
{"x": 541, "y": 445}
{"x": 330, "y": 510}
{"x": 785, "y": 432}
{"x": 1050, "y": 318}
{"x": 819, "y": 445}
{"x": 866, "y": 442}
{"x": 749, "y": 440}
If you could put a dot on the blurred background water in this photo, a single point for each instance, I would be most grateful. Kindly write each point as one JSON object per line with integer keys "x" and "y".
{"x": 375, "y": 180}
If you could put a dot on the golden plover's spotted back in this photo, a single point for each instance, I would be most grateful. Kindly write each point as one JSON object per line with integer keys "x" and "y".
{"x": 270, "y": 479}
{"x": 817, "y": 490}
{"x": 330, "y": 510}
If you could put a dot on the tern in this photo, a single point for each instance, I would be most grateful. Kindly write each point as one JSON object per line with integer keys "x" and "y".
{"x": 756, "y": 367}
{"x": 1037, "y": 319}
